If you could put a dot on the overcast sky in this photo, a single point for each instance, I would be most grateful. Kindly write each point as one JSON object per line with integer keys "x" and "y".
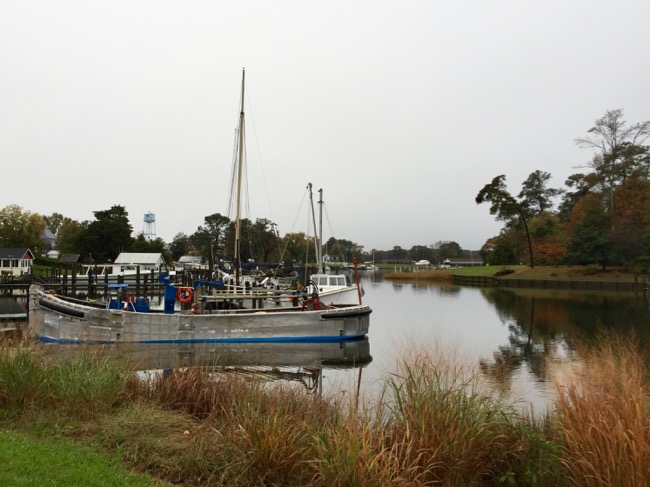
{"x": 400, "y": 111}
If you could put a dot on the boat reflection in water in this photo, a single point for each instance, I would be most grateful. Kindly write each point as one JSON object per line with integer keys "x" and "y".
{"x": 299, "y": 361}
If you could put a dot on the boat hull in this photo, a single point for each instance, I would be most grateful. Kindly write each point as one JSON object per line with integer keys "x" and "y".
{"x": 54, "y": 319}
{"x": 344, "y": 296}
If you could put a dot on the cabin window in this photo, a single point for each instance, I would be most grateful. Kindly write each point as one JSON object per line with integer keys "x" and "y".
{"x": 341, "y": 281}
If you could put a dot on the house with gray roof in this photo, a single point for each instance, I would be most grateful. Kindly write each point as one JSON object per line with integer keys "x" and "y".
{"x": 15, "y": 261}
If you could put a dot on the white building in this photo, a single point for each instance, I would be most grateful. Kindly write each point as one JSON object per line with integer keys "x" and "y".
{"x": 15, "y": 261}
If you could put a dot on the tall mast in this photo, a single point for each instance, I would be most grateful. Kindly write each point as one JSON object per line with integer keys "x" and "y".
{"x": 240, "y": 164}
{"x": 320, "y": 230}
{"x": 316, "y": 239}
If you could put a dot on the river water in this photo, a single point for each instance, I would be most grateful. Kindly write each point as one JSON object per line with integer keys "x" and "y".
{"x": 518, "y": 338}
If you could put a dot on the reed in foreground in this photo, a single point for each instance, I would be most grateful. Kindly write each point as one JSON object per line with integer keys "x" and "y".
{"x": 437, "y": 423}
{"x": 604, "y": 417}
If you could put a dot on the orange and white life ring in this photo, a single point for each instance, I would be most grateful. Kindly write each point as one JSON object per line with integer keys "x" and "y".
{"x": 185, "y": 294}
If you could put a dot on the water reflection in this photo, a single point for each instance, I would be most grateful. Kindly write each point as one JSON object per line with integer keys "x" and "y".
{"x": 13, "y": 306}
{"x": 518, "y": 338}
{"x": 546, "y": 326}
{"x": 303, "y": 362}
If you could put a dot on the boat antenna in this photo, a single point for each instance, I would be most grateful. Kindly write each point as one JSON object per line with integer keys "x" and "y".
{"x": 239, "y": 178}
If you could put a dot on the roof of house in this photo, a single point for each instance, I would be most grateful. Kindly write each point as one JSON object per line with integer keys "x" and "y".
{"x": 139, "y": 258}
{"x": 458, "y": 260}
{"x": 48, "y": 234}
{"x": 15, "y": 253}
{"x": 69, "y": 258}
{"x": 190, "y": 259}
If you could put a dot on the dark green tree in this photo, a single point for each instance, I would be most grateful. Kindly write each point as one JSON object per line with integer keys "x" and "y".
{"x": 447, "y": 250}
{"x": 297, "y": 249}
{"x": 69, "y": 237}
{"x": 421, "y": 252}
{"x": 343, "y": 249}
{"x": 179, "y": 246}
{"x": 580, "y": 185}
{"x": 210, "y": 238}
{"x": 499, "y": 250}
{"x": 506, "y": 207}
{"x": 398, "y": 253}
{"x": 20, "y": 228}
{"x": 589, "y": 241}
{"x": 535, "y": 193}
{"x": 265, "y": 241}
{"x": 108, "y": 235}
{"x": 54, "y": 221}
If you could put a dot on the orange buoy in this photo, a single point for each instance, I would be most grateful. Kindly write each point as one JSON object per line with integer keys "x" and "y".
{"x": 184, "y": 294}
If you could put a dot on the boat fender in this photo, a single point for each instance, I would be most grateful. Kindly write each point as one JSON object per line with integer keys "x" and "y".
{"x": 184, "y": 295}
{"x": 195, "y": 309}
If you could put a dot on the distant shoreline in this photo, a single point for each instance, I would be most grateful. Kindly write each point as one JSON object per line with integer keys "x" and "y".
{"x": 565, "y": 277}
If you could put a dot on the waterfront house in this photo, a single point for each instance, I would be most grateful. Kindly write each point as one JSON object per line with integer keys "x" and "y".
{"x": 49, "y": 240}
{"x": 147, "y": 261}
{"x": 462, "y": 262}
{"x": 187, "y": 262}
{"x": 15, "y": 261}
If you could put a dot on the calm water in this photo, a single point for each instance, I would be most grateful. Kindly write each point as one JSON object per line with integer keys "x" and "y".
{"x": 518, "y": 337}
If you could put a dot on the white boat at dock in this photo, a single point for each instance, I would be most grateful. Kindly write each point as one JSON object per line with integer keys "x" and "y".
{"x": 334, "y": 289}
{"x": 210, "y": 311}
{"x": 212, "y": 317}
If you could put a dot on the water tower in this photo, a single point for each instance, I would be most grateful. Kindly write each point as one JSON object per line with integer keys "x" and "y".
{"x": 149, "y": 226}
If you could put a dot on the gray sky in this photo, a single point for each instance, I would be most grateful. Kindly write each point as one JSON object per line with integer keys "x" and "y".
{"x": 400, "y": 111}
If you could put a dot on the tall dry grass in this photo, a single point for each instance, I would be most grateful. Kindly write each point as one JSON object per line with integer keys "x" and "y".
{"x": 447, "y": 426}
{"x": 437, "y": 423}
{"x": 603, "y": 413}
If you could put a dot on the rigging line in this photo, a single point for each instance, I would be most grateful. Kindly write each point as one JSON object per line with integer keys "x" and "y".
{"x": 329, "y": 223}
{"x": 259, "y": 154}
{"x": 293, "y": 226}
{"x": 233, "y": 177}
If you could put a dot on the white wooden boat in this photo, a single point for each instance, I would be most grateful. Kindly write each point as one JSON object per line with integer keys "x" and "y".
{"x": 62, "y": 319}
{"x": 333, "y": 289}
{"x": 213, "y": 313}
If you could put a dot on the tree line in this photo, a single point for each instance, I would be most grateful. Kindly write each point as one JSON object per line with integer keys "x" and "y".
{"x": 603, "y": 215}
{"x": 102, "y": 239}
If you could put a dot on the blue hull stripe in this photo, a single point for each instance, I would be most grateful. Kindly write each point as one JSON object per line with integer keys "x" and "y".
{"x": 302, "y": 339}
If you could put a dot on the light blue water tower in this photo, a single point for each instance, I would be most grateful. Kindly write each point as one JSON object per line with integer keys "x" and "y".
{"x": 149, "y": 226}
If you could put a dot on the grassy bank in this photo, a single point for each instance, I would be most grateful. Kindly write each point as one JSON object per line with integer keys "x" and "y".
{"x": 567, "y": 273}
{"x": 436, "y": 423}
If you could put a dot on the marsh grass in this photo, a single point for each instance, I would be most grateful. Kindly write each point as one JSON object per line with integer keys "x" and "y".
{"x": 449, "y": 427}
{"x": 442, "y": 275}
{"x": 21, "y": 376}
{"x": 604, "y": 417}
{"x": 436, "y": 422}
